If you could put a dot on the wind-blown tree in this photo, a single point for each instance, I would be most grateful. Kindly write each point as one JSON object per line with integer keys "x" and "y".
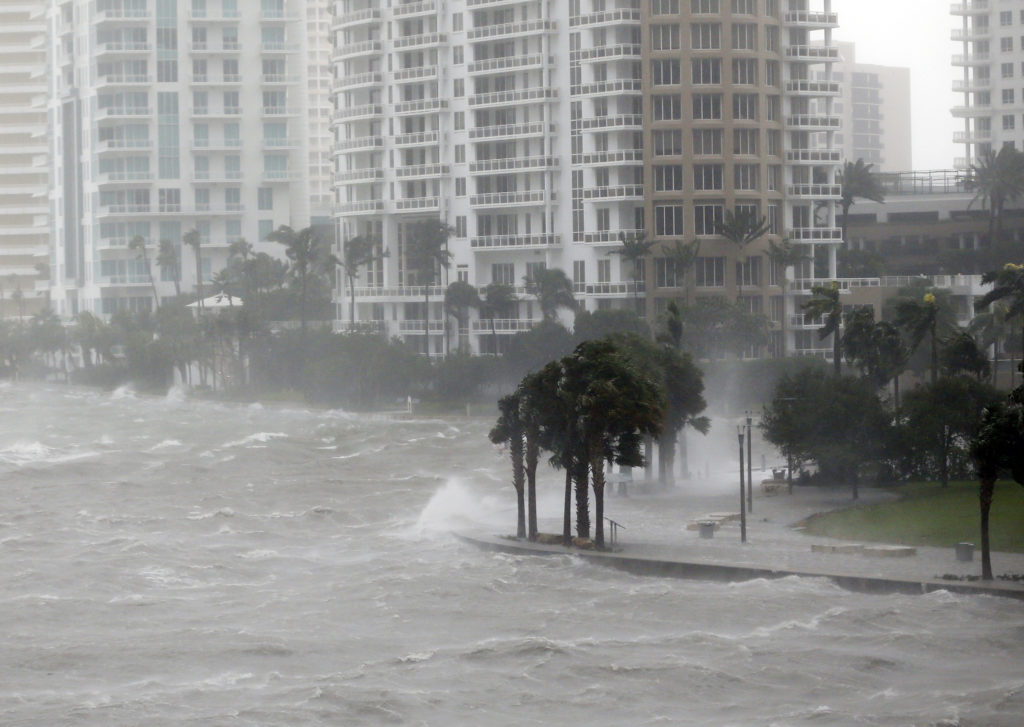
{"x": 858, "y": 182}
{"x": 498, "y": 298}
{"x": 998, "y": 446}
{"x": 193, "y": 239}
{"x": 509, "y": 430}
{"x": 459, "y": 297}
{"x": 138, "y": 244}
{"x": 997, "y": 178}
{"x": 742, "y": 229}
{"x": 553, "y": 290}
{"x": 310, "y": 257}
{"x": 1008, "y": 287}
{"x": 614, "y": 405}
{"x": 993, "y": 330}
{"x": 357, "y": 252}
{"x": 960, "y": 354}
{"x": 784, "y": 255}
{"x": 223, "y": 286}
{"x": 427, "y": 250}
{"x": 683, "y": 256}
{"x": 544, "y": 425}
{"x": 876, "y": 348}
{"x": 923, "y": 318}
{"x": 170, "y": 264}
{"x": 827, "y": 305}
{"x": 634, "y": 249}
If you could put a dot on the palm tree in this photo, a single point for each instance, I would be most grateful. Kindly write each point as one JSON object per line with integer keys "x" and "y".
{"x": 309, "y": 255}
{"x": 170, "y": 265}
{"x": 193, "y": 240}
{"x": 683, "y": 256}
{"x": 497, "y": 299}
{"x": 355, "y": 253}
{"x": 997, "y": 178}
{"x": 992, "y": 330}
{"x": 138, "y": 244}
{"x": 509, "y": 430}
{"x": 459, "y": 297}
{"x": 827, "y": 306}
{"x": 784, "y": 255}
{"x": 553, "y": 290}
{"x": 858, "y": 183}
{"x": 1008, "y": 286}
{"x": 741, "y": 229}
{"x": 222, "y": 283}
{"x": 634, "y": 249}
{"x": 426, "y": 250}
{"x": 876, "y": 348}
{"x": 920, "y": 318}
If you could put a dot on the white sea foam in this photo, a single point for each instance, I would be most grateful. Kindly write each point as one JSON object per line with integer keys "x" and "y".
{"x": 165, "y": 444}
{"x": 256, "y": 440}
{"x": 125, "y": 391}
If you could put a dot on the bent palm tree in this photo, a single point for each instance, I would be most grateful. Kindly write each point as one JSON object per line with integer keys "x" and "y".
{"x": 509, "y": 430}
{"x": 138, "y": 244}
{"x": 683, "y": 256}
{"x": 784, "y": 255}
{"x": 426, "y": 250}
{"x": 920, "y": 318}
{"x": 742, "y": 229}
{"x": 827, "y": 305}
{"x": 170, "y": 265}
{"x": 355, "y": 253}
{"x": 858, "y": 182}
{"x": 497, "y": 299}
{"x": 459, "y": 297}
{"x": 997, "y": 178}
{"x": 193, "y": 240}
{"x": 634, "y": 249}
{"x": 1008, "y": 286}
{"x": 553, "y": 290}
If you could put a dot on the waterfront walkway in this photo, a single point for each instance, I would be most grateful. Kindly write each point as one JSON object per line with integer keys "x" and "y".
{"x": 657, "y": 542}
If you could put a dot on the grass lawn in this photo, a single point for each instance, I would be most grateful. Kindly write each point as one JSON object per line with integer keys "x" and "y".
{"x": 927, "y": 514}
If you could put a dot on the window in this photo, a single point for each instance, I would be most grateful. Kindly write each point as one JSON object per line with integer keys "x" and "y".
{"x": 1006, "y": 69}
{"x": 460, "y": 225}
{"x": 460, "y": 153}
{"x": 705, "y": 71}
{"x": 707, "y": 177}
{"x": 457, "y": 55}
{"x": 744, "y": 7}
{"x": 744, "y": 36}
{"x": 665, "y": 72}
{"x": 707, "y": 106}
{"x": 457, "y": 26}
{"x": 746, "y": 176}
{"x": 664, "y": 7}
{"x": 708, "y": 218}
{"x": 664, "y": 37}
{"x": 460, "y": 120}
{"x": 665, "y": 274}
{"x": 744, "y": 71}
{"x": 667, "y": 108}
{"x": 774, "y": 138}
{"x": 707, "y": 142}
{"x": 668, "y": 142}
{"x": 579, "y": 271}
{"x": 503, "y": 273}
{"x": 748, "y": 272}
{"x": 459, "y": 88}
{"x": 604, "y": 219}
{"x": 668, "y": 178}
{"x": 1006, "y": 44}
{"x": 1008, "y": 122}
{"x": 460, "y": 186}
{"x": 1006, "y": 17}
{"x": 604, "y": 271}
{"x": 744, "y": 107}
{"x": 1007, "y": 95}
{"x": 698, "y": 7}
{"x": 709, "y": 272}
{"x": 706, "y": 36}
{"x": 265, "y": 198}
{"x": 668, "y": 219}
{"x": 744, "y": 141}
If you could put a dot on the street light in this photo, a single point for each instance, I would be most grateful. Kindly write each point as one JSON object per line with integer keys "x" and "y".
{"x": 750, "y": 470}
{"x": 743, "y": 502}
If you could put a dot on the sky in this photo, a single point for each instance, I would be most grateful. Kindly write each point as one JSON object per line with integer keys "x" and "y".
{"x": 914, "y": 34}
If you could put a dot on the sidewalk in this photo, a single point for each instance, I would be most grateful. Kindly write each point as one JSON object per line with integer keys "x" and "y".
{"x": 655, "y": 529}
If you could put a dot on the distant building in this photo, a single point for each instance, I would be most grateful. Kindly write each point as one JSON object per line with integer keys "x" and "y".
{"x": 24, "y": 211}
{"x": 168, "y": 116}
{"x": 875, "y": 108}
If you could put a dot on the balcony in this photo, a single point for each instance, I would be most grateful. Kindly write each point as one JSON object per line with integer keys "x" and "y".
{"x": 508, "y": 63}
{"x": 123, "y": 145}
{"x": 812, "y": 53}
{"x": 609, "y": 290}
{"x": 366, "y": 111}
{"x": 124, "y": 209}
{"x": 801, "y": 322}
{"x": 610, "y": 237}
{"x": 356, "y": 17}
{"x": 367, "y": 206}
{"x": 507, "y": 98}
{"x": 359, "y": 143}
{"x": 422, "y": 171}
{"x": 358, "y": 80}
{"x": 972, "y": 59}
{"x": 227, "y": 47}
{"x": 814, "y": 156}
{"x": 418, "y": 73}
{"x": 419, "y": 138}
{"x": 509, "y": 131}
{"x": 417, "y": 204}
{"x": 814, "y": 88}
{"x": 278, "y": 79}
{"x": 622, "y": 51}
{"x": 123, "y": 47}
{"x": 971, "y": 85}
{"x": 616, "y": 17}
{"x": 125, "y": 79}
{"x": 423, "y": 106}
{"x": 971, "y": 34}
{"x": 515, "y": 164}
{"x": 207, "y": 16}
{"x": 280, "y": 111}
{"x": 502, "y": 325}
{"x": 607, "y": 158}
{"x": 413, "y": 326}
{"x": 504, "y": 30}
{"x": 963, "y": 112}
{"x": 971, "y": 7}
{"x": 973, "y": 136}
{"x": 815, "y": 191}
{"x": 121, "y": 178}
{"x": 123, "y": 112}
{"x": 816, "y": 234}
{"x": 359, "y": 175}
{"x": 515, "y": 242}
{"x": 633, "y": 192}
{"x": 528, "y": 198}
{"x": 814, "y": 123}
{"x": 124, "y": 15}
{"x": 411, "y": 292}
{"x": 352, "y": 50}
{"x": 604, "y": 88}
{"x": 412, "y": 9}
{"x": 811, "y": 20}
{"x": 424, "y": 40}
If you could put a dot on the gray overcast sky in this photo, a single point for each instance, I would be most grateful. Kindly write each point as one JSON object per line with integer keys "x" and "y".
{"x": 913, "y": 34}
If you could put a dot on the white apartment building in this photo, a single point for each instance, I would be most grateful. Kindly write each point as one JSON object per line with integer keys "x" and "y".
{"x": 319, "y": 86}
{"x": 169, "y": 116}
{"x": 991, "y": 69}
{"x": 24, "y": 224}
{"x": 529, "y": 127}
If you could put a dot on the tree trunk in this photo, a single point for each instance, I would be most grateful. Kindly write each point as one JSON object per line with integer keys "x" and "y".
{"x": 935, "y": 356}
{"x": 352, "y": 303}
{"x": 837, "y": 359}
{"x": 667, "y": 458}
{"x": 985, "y": 497}
{"x": 567, "y": 514}
{"x": 532, "y": 455}
{"x": 582, "y": 498}
{"x": 518, "y": 472}
{"x": 896, "y": 391}
{"x": 597, "y": 472}
{"x": 944, "y": 464}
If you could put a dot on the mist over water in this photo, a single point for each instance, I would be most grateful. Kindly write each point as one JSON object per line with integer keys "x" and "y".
{"x": 171, "y": 562}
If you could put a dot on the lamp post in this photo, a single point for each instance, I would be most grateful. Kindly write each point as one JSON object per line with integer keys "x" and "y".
{"x": 750, "y": 469}
{"x": 743, "y": 501}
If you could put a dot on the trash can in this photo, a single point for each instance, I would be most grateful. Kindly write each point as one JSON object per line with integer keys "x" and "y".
{"x": 965, "y": 552}
{"x": 707, "y": 529}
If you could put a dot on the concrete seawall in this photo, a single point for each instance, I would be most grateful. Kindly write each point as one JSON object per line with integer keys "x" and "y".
{"x": 639, "y": 564}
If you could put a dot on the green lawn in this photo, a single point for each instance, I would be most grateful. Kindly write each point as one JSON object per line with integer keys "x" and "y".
{"x": 927, "y": 514}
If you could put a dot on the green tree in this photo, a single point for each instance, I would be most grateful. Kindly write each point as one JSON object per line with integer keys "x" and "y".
{"x": 742, "y": 229}
{"x": 310, "y": 257}
{"x": 997, "y": 178}
{"x": 920, "y": 319}
{"x": 1007, "y": 287}
{"x": 498, "y": 300}
{"x": 960, "y": 354}
{"x": 427, "y": 251}
{"x": 168, "y": 261}
{"x": 553, "y": 290}
{"x": 357, "y": 252}
{"x": 784, "y": 255}
{"x": 509, "y": 430}
{"x": 138, "y": 244}
{"x": 992, "y": 330}
{"x": 459, "y": 297}
{"x": 827, "y": 306}
{"x": 683, "y": 256}
{"x": 634, "y": 249}
{"x": 858, "y": 182}
{"x": 194, "y": 240}
{"x": 876, "y": 348}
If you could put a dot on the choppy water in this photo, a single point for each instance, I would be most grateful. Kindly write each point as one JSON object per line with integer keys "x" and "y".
{"x": 170, "y": 562}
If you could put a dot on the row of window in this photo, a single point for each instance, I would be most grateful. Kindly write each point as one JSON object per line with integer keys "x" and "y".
{"x": 708, "y": 216}
{"x": 709, "y": 272}
{"x": 709, "y": 142}
{"x": 703, "y": 71}
{"x": 708, "y": 36}
{"x": 708, "y": 107}
{"x": 710, "y": 177}
{"x": 705, "y": 7}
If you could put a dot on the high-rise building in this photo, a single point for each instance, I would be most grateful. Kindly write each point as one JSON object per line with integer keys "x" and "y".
{"x": 170, "y": 116}
{"x": 543, "y": 132}
{"x": 319, "y": 84}
{"x": 875, "y": 107}
{"x": 24, "y": 224}
{"x": 991, "y": 65}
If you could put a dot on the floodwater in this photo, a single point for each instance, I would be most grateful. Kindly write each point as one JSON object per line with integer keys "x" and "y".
{"x": 174, "y": 562}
